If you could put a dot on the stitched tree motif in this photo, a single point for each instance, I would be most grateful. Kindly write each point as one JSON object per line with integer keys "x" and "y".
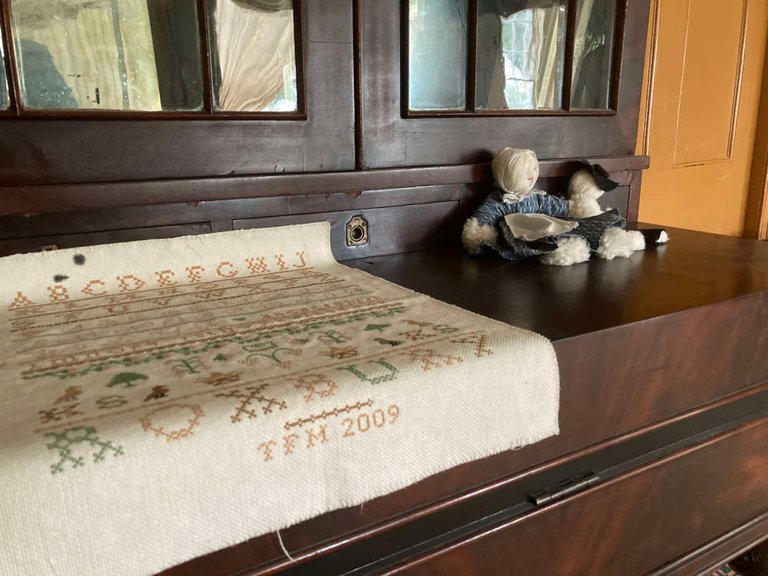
{"x": 432, "y": 358}
{"x": 315, "y": 385}
{"x": 81, "y": 437}
{"x": 247, "y": 396}
{"x": 388, "y": 373}
{"x": 191, "y": 365}
{"x": 126, "y": 379}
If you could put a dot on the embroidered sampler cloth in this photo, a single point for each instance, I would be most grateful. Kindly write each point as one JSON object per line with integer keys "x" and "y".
{"x": 160, "y": 400}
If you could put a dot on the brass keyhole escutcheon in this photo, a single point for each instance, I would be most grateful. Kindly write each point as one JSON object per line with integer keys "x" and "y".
{"x": 357, "y": 231}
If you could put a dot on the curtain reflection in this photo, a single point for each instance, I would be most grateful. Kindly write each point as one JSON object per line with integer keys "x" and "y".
{"x": 256, "y": 55}
{"x": 520, "y": 53}
{"x": 593, "y": 53}
{"x": 73, "y": 54}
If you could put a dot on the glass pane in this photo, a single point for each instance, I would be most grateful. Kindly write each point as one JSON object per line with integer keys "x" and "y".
{"x": 254, "y": 58}
{"x": 593, "y": 54}
{"x": 520, "y": 54}
{"x": 4, "y": 101}
{"x": 108, "y": 54}
{"x": 437, "y": 54}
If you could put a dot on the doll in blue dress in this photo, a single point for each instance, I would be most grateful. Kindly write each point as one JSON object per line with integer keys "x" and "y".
{"x": 518, "y": 221}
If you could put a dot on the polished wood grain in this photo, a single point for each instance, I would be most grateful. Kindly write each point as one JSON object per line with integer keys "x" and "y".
{"x": 640, "y": 341}
{"x": 731, "y": 544}
{"x": 400, "y": 220}
{"x": 628, "y": 525}
{"x": 75, "y": 197}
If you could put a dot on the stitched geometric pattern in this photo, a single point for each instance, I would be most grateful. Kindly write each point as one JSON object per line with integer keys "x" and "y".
{"x": 80, "y": 438}
{"x": 244, "y": 374}
{"x": 174, "y": 421}
{"x": 247, "y": 396}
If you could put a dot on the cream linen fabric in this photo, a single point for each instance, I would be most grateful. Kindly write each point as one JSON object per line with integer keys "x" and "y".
{"x": 174, "y": 397}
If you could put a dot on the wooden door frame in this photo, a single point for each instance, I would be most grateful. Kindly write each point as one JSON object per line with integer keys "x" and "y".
{"x": 756, "y": 215}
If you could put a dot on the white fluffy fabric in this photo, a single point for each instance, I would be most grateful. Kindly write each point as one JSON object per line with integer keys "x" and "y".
{"x": 620, "y": 243}
{"x": 475, "y": 235}
{"x": 570, "y": 250}
{"x": 582, "y": 195}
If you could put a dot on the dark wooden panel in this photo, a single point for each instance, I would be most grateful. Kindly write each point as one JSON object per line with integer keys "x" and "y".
{"x": 629, "y": 525}
{"x": 37, "y": 151}
{"x": 391, "y": 230}
{"x": 640, "y": 341}
{"x": 219, "y": 212}
{"x": 707, "y": 558}
{"x": 601, "y": 397}
{"x": 37, "y": 243}
{"x": 390, "y": 140}
{"x": 694, "y": 269}
{"x": 74, "y": 197}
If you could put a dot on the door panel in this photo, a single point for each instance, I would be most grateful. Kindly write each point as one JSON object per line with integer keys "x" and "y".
{"x": 702, "y": 90}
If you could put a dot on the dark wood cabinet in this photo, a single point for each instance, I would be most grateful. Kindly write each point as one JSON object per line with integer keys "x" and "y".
{"x": 660, "y": 466}
{"x": 392, "y": 138}
{"x": 74, "y": 146}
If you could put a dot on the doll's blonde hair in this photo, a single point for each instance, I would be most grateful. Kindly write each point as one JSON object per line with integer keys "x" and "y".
{"x": 509, "y": 164}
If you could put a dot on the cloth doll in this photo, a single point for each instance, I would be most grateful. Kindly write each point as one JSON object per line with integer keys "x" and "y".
{"x": 517, "y": 221}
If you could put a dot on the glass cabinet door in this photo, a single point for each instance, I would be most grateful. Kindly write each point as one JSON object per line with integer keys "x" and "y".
{"x": 254, "y": 55}
{"x": 129, "y": 55}
{"x": 509, "y": 56}
{"x": 123, "y": 90}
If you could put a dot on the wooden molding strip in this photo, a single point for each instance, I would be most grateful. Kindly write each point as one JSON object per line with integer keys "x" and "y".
{"x": 74, "y": 197}
{"x": 756, "y": 215}
{"x": 711, "y": 555}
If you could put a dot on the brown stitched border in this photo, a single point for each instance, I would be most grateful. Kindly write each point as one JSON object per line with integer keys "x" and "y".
{"x": 282, "y": 376}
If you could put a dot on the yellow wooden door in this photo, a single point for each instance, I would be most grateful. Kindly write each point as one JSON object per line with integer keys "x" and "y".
{"x": 698, "y": 123}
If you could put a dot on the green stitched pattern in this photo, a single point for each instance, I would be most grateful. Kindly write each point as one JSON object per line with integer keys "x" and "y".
{"x": 80, "y": 436}
{"x": 126, "y": 379}
{"x": 64, "y": 373}
{"x": 388, "y": 376}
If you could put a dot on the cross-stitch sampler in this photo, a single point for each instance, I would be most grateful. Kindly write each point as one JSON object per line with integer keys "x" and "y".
{"x": 164, "y": 399}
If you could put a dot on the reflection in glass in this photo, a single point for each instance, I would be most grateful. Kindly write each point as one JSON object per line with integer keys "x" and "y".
{"x": 520, "y": 54}
{"x": 255, "y": 55}
{"x": 4, "y": 100}
{"x": 108, "y": 54}
{"x": 437, "y": 54}
{"x": 593, "y": 53}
